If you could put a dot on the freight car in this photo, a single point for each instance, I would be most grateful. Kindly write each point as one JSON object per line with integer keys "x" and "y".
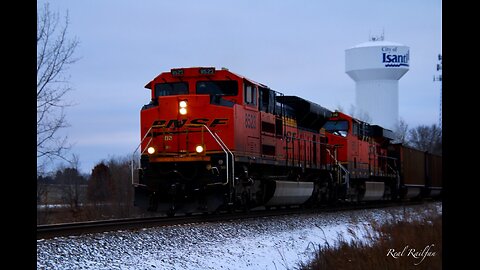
{"x": 213, "y": 139}
{"x": 420, "y": 172}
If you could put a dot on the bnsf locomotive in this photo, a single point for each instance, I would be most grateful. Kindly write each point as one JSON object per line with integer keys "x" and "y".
{"x": 215, "y": 140}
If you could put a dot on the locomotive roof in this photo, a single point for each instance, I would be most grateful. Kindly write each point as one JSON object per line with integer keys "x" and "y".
{"x": 149, "y": 84}
{"x": 250, "y": 80}
{"x": 309, "y": 114}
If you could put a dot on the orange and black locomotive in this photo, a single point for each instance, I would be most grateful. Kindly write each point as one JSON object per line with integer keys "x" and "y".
{"x": 215, "y": 140}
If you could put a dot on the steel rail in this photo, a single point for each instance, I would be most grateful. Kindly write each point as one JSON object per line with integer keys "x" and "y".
{"x": 78, "y": 228}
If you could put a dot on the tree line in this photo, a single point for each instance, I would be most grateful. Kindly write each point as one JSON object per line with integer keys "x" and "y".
{"x": 67, "y": 195}
{"x": 426, "y": 138}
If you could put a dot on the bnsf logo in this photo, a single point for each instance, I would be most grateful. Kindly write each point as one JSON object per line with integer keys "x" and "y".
{"x": 198, "y": 121}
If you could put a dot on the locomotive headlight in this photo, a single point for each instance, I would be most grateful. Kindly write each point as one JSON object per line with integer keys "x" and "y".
{"x": 183, "y": 107}
{"x": 151, "y": 150}
{"x": 199, "y": 149}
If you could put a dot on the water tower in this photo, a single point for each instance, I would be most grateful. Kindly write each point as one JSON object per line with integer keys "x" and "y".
{"x": 376, "y": 66}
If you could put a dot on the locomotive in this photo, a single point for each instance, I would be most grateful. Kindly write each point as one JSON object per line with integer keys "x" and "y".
{"x": 215, "y": 140}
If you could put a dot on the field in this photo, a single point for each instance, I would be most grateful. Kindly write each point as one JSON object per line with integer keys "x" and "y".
{"x": 397, "y": 244}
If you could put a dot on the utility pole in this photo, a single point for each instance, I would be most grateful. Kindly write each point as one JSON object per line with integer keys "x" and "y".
{"x": 439, "y": 78}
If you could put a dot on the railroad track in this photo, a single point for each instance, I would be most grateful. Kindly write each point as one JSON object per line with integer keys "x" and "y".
{"x": 78, "y": 228}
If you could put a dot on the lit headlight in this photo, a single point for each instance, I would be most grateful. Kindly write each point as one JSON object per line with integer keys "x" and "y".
{"x": 183, "y": 107}
{"x": 151, "y": 150}
{"x": 199, "y": 149}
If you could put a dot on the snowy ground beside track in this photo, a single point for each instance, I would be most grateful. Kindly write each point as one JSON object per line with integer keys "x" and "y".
{"x": 261, "y": 243}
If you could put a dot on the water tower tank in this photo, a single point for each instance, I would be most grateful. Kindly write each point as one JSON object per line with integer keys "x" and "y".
{"x": 376, "y": 66}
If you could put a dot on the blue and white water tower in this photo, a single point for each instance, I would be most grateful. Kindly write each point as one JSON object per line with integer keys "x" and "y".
{"x": 376, "y": 66}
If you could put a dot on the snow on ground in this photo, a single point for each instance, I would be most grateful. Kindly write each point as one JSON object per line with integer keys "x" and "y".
{"x": 261, "y": 243}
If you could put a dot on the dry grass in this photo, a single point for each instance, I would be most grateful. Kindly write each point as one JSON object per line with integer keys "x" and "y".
{"x": 89, "y": 212}
{"x": 398, "y": 244}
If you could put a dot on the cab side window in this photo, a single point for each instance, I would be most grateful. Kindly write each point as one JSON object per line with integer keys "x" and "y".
{"x": 250, "y": 93}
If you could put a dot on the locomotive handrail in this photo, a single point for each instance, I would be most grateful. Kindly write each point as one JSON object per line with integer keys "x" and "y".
{"x": 227, "y": 151}
{"x": 347, "y": 173}
{"x": 376, "y": 167}
{"x": 214, "y": 136}
{"x": 391, "y": 168}
{"x": 397, "y": 174}
{"x": 139, "y": 145}
{"x": 145, "y": 136}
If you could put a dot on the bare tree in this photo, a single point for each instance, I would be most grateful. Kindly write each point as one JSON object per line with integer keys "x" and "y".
{"x": 54, "y": 56}
{"x": 72, "y": 185}
{"x": 427, "y": 138}
{"x": 401, "y": 132}
{"x": 43, "y": 199}
{"x": 123, "y": 193}
{"x": 360, "y": 114}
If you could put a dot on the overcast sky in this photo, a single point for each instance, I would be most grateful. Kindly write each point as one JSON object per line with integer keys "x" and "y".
{"x": 295, "y": 47}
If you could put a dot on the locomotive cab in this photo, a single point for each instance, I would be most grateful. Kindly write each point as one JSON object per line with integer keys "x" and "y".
{"x": 186, "y": 144}
{"x": 362, "y": 152}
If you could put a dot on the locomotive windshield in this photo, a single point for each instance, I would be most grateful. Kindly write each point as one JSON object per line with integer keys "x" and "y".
{"x": 337, "y": 127}
{"x": 170, "y": 89}
{"x": 221, "y": 88}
